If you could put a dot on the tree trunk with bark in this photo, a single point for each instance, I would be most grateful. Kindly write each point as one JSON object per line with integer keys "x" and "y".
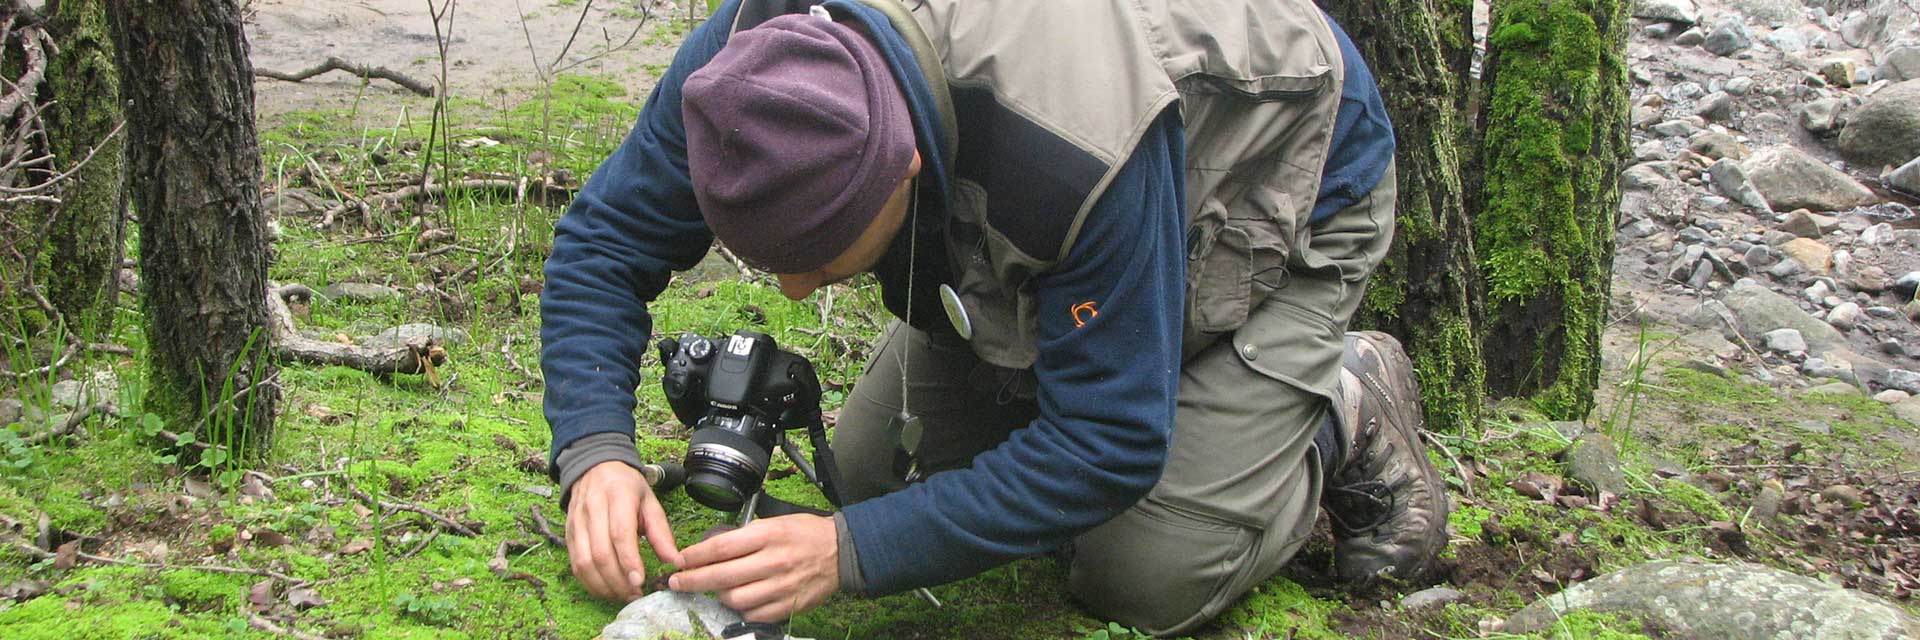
{"x": 82, "y": 260}
{"x": 1427, "y": 292}
{"x": 1556, "y": 138}
{"x": 1499, "y": 275}
{"x": 194, "y": 166}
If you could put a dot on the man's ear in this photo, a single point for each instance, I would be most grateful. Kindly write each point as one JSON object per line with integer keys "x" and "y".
{"x": 913, "y": 168}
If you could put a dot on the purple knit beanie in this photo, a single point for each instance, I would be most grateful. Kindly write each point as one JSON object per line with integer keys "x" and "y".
{"x": 796, "y": 136}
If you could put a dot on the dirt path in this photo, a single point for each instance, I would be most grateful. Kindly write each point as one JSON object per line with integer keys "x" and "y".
{"x": 491, "y": 55}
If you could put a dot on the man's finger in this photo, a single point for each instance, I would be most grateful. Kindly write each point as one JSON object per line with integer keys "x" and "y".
{"x": 653, "y": 521}
{"x": 721, "y": 577}
{"x": 757, "y": 594}
{"x": 727, "y": 546}
{"x": 623, "y": 517}
{"x": 579, "y": 544}
{"x": 606, "y": 563}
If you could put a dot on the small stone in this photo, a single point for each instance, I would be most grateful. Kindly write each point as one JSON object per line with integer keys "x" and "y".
{"x": 1842, "y": 494}
{"x": 1731, "y": 179}
{"x": 1716, "y": 106}
{"x": 1739, "y": 85}
{"x": 1805, "y": 224}
{"x": 1906, "y": 178}
{"x": 1844, "y": 317}
{"x": 1694, "y": 235}
{"x": 1877, "y": 235}
{"x": 1786, "y": 268}
{"x": 1685, "y": 91}
{"x": 1675, "y": 12}
{"x": 1821, "y": 116}
{"x": 1900, "y": 63}
{"x": 1430, "y": 598}
{"x": 1716, "y": 145}
{"x": 1758, "y": 256}
{"x": 1691, "y": 37}
{"x": 1903, "y": 380}
{"x": 1883, "y": 313}
{"x": 1729, "y": 37}
{"x": 1786, "y": 40}
{"x": 1867, "y": 279}
{"x": 1657, "y": 30}
{"x": 1675, "y": 129}
{"x": 1594, "y": 463}
{"x": 1838, "y": 72}
{"x": 361, "y": 292}
{"x": 1816, "y": 256}
{"x": 1833, "y": 389}
{"x": 1891, "y": 396}
{"x": 1785, "y": 341}
{"x": 1858, "y": 27}
{"x": 1766, "y": 505}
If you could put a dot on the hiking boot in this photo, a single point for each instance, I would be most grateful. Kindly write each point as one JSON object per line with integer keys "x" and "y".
{"x": 1387, "y": 502}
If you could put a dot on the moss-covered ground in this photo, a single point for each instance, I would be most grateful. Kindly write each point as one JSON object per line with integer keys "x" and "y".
{"x": 281, "y": 545}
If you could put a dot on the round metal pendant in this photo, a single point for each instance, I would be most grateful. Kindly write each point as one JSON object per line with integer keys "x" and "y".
{"x": 955, "y": 313}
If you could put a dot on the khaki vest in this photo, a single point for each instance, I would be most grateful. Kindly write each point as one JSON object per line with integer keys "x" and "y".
{"x": 1049, "y": 97}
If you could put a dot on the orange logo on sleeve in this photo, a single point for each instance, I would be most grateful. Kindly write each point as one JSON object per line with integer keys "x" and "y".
{"x": 1083, "y": 312}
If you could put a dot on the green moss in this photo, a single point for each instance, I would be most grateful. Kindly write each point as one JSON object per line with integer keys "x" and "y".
{"x": 1280, "y": 608}
{"x": 1465, "y": 521}
{"x": 1451, "y": 373}
{"x": 205, "y": 591}
{"x": 1694, "y": 499}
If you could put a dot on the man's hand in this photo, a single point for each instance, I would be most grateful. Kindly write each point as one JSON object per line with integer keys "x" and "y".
{"x": 767, "y": 570}
{"x": 611, "y": 504}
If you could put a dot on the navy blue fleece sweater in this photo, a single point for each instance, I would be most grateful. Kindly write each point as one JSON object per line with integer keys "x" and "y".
{"x": 1106, "y": 389}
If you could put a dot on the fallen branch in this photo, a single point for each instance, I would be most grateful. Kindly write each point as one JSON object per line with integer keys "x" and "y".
{"x": 546, "y": 530}
{"x": 506, "y": 351}
{"x": 395, "y": 505}
{"x": 82, "y": 555}
{"x": 363, "y": 70}
{"x": 414, "y": 357}
{"x": 549, "y": 192}
{"x": 263, "y": 624}
{"x": 70, "y": 426}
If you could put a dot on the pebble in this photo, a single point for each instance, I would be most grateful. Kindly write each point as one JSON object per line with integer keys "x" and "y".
{"x": 1842, "y": 494}
{"x": 1729, "y": 37}
{"x": 1435, "y": 596}
{"x": 1691, "y": 37}
{"x": 1785, "y": 341}
{"x": 1844, "y": 317}
{"x": 1891, "y": 396}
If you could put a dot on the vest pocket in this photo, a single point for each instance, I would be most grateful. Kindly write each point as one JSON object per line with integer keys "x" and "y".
{"x": 1236, "y": 257}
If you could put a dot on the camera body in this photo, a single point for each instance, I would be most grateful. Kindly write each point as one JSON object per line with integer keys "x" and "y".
{"x": 739, "y": 393}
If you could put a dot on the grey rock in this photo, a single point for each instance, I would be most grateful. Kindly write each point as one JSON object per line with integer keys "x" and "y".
{"x": 1644, "y": 117}
{"x": 1731, "y": 179}
{"x": 1735, "y": 600}
{"x": 73, "y": 394}
{"x": 1815, "y": 255}
{"x": 1675, "y": 129}
{"x": 1805, "y": 224}
{"x": 1713, "y": 343}
{"x": 1902, "y": 379}
{"x": 1834, "y": 389}
{"x": 1691, "y": 37}
{"x": 1786, "y": 268}
{"x": 1908, "y": 410}
{"x": 1657, "y": 31}
{"x": 1729, "y": 37}
{"x": 670, "y": 612}
{"x": 1694, "y": 235}
{"x": 1866, "y": 279}
{"x": 1639, "y": 228}
{"x": 1702, "y": 275}
{"x": 1906, "y": 178}
{"x": 1784, "y": 341}
{"x": 1841, "y": 494}
{"x": 1430, "y": 598}
{"x": 1685, "y": 91}
{"x": 1758, "y": 256}
{"x": 1716, "y": 145}
{"x": 1891, "y": 396}
{"x": 1884, "y": 313}
{"x": 1821, "y": 116}
{"x": 1821, "y": 369}
{"x": 1738, "y": 85}
{"x": 1758, "y": 310}
{"x": 1682, "y": 266}
{"x": 1790, "y": 179}
{"x": 1643, "y": 177}
{"x": 1678, "y": 12}
{"x": 1816, "y": 426}
{"x": 11, "y": 410}
{"x": 1766, "y": 505}
{"x": 1885, "y": 129}
{"x": 1844, "y": 317}
{"x": 1594, "y": 463}
{"x": 401, "y": 335}
{"x": 1906, "y": 285}
{"x": 1877, "y": 235}
{"x": 1786, "y": 40}
{"x": 1860, "y": 28}
{"x": 360, "y": 292}
{"x": 1716, "y": 106}
{"x": 1649, "y": 151}
{"x": 1900, "y": 63}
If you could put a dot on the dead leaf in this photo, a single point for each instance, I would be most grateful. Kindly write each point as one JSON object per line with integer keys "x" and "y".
{"x": 361, "y": 510}
{"x": 24, "y": 590}
{"x": 260, "y": 595}
{"x": 66, "y": 556}
{"x": 270, "y": 538}
{"x": 461, "y": 583}
{"x": 1543, "y": 576}
{"x": 357, "y": 546}
{"x": 304, "y": 598}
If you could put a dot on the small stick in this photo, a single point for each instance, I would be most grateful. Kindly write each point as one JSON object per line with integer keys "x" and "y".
{"x": 395, "y": 505}
{"x": 745, "y": 272}
{"x": 362, "y": 70}
{"x": 263, "y": 624}
{"x": 43, "y": 553}
{"x": 1465, "y": 482}
{"x": 71, "y": 426}
{"x": 546, "y": 530}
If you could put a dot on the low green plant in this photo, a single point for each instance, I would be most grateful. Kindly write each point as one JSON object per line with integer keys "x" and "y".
{"x": 432, "y": 609}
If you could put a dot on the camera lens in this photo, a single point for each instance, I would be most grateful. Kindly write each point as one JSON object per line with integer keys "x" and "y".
{"x": 724, "y": 468}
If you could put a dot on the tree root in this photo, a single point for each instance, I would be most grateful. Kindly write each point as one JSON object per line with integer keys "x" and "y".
{"x": 363, "y": 70}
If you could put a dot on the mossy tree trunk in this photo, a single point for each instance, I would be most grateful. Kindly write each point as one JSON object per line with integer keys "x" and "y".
{"x": 1555, "y": 123}
{"x": 1427, "y": 291}
{"x": 82, "y": 261}
{"x": 194, "y": 166}
{"x": 1498, "y": 279}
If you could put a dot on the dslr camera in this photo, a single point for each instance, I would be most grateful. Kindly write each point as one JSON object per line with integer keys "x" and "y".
{"x": 741, "y": 394}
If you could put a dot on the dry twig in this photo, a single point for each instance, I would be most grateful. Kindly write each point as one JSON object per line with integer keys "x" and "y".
{"x": 396, "y": 505}
{"x": 541, "y": 525}
{"x": 263, "y": 624}
{"x": 71, "y": 426}
{"x": 88, "y": 557}
{"x": 365, "y": 71}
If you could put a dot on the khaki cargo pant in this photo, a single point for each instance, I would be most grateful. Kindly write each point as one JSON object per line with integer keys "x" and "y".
{"x": 1242, "y": 483}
